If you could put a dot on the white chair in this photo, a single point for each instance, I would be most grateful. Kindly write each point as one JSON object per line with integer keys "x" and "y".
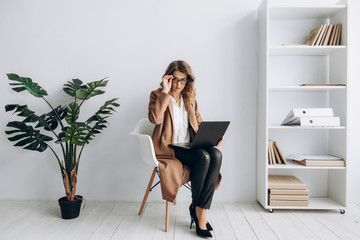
{"x": 143, "y": 131}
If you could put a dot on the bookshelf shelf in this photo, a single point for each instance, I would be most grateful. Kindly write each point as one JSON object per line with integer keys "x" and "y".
{"x": 306, "y": 88}
{"x": 302, "y": 127}
{"x": 304, "y": 11}
{"x": 304, "y": 50}
{"x": 284, "y": 63}
{"x": 293, "y": 165}
{"x": 314, "y": 203}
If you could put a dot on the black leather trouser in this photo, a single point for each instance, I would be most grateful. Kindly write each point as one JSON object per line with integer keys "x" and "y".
{"x": 205, "y": 166}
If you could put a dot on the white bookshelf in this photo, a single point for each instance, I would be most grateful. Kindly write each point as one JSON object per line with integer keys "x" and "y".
{"x": 283, "y": 65}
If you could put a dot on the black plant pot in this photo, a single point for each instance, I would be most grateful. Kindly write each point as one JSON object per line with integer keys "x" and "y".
{"x": 70, "y": 210}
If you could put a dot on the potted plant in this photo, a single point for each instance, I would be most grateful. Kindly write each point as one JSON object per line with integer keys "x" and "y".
{"x": 71, "y": 135}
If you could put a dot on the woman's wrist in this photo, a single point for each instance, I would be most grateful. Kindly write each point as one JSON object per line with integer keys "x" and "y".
{"x": 165, "y": 91}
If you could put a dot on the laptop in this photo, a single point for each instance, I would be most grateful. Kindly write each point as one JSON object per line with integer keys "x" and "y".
{"x": 208, "y": 135}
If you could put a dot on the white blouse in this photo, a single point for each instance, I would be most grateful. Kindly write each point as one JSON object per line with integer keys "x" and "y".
{"x": 181, "y": 122}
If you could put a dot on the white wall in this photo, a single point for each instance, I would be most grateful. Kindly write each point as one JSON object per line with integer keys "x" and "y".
{"x": 132, "y": 42}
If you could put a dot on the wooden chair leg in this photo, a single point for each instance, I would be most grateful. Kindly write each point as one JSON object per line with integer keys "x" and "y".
{"x": 147, "y": 191}
{"x": 167, "y": 217}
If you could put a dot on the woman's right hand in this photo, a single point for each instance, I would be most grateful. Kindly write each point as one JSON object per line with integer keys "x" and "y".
{"x": 167, "y": 80}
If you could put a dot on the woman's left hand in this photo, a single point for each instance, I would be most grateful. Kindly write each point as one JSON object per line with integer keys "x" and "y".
{"x": 220, "y": 142}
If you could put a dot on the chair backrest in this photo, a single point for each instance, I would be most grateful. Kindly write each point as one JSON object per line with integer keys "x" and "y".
{"x": 143, "y": 130}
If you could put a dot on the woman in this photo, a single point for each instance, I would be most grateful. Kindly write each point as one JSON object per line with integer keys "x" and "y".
{"x": 173, "y": 109}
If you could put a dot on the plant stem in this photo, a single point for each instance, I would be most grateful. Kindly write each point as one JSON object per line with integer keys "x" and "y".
{"x": 80, "y": 156}
{"x": 62, "y": 171}
{"x": 68, "y": 164}
{"x": 74, "y": 155}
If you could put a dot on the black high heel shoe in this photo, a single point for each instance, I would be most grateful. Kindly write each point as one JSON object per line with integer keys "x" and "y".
{"x": 199, "y": 231}
{"x": 208, "y": 226}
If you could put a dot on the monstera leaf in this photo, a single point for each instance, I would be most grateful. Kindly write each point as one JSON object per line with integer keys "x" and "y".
{"x": 26, "y": 84}
{"x": 50, "y": 120}
{"x": 72, "y": 113}
{"x": 90, "y": 90}
{"x": 75, "y": 134}
{"x": 23, "y": 111}
{"x": 100, "y": 117}
{"x": 27, "y": 136}
{"x": 71, "y": 87}
{"x": 104, "y": 110}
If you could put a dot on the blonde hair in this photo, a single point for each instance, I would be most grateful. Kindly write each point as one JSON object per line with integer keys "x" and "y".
{"x": 188, "y": 92}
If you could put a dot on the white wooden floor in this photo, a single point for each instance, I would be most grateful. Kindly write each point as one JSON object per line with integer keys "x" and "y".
{"x": 119, "y": 220}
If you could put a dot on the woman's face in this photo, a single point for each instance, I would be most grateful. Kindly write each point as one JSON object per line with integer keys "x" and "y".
{"x": 178, "y": 82}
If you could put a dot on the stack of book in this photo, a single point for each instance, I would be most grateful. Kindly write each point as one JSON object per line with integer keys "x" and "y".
{"x": 324, "y": 35}
{"x": 287, "y": 191}
{"x": 318, "y": 160}
{"x": 274, "y": 154}
{"x": 311, "y": 117}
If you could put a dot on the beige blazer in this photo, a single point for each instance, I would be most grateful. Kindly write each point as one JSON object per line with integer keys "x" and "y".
{"x": 172, "y": 173}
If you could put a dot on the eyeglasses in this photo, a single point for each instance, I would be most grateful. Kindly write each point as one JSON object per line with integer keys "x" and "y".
{"x": 183, "y": 81}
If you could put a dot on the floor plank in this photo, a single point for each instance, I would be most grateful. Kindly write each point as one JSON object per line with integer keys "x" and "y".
{"x": 114, "y": 219}
{"x": 83, "y": 227}
{"x": 342, "y": 225}
{"x": 286, "y": 225}
{"x": 26, "y": 219}
{"x": 260, "y": 227}
{"x": 152, "y": 219}
{"x": 182, "y": 222}
{"x": 11, "y": 211}
{"x": 238, "y": 221}
{"x": 318, "y": 228}
{"x": 220, "y": 221}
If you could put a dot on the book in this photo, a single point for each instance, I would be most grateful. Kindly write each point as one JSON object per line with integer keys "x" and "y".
{"x": 277, "y": 156}
{"x": 274, "y": 154}
{"x": 338, "y": 35}
{"x": 288, "y": 203}
{"x": 325, "y": 34}
{"x": 326, "y": 84}
{"x": 299, "y": 157}
{"x": 318, "y": 40}
{"x": 289, "y": 191}
{"x": 320, "y": 160}
{"x": 289, "y": 197}
{"x": 285, "y": 182}
{"x": 307, "y": 112}
{"x": 322, "y": 163}
{"x": 328, "y": 33}
{"x": 322, "y": 39}
{"x": 333, "y": 34}
{"x": 283, "y": 160}
{"x": 313, "y": 35}
{"x": 269, "y": 154}
{"x": 315, "y": 121}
